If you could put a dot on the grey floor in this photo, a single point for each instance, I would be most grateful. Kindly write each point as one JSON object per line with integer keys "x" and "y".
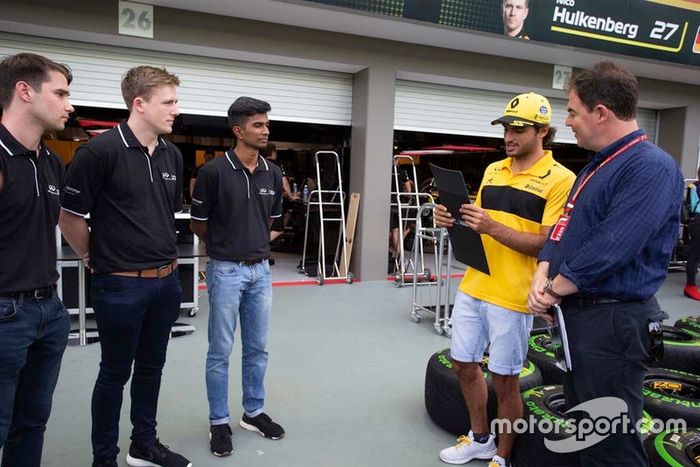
{"x": 345, "y": 379}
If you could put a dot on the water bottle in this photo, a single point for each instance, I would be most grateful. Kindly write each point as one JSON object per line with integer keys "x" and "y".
{"x": 305, "y": 194}
{"x": 295, "y": 188}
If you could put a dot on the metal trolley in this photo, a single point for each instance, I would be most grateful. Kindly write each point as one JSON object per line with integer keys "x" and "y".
{"x": 324, "y": 199}
{"x": 440, "y": 307}
{"x": 408, "y": 206}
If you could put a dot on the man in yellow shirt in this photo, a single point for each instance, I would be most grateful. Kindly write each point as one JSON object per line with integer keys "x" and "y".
{"x": 520, "y": 198}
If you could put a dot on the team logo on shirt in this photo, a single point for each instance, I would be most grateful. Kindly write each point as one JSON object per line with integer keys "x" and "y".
{"x": 266, "y": 192}
{"x": 169, "y": 177}
{"x": 53, "y": 190}
{"x": 534, "y": 188}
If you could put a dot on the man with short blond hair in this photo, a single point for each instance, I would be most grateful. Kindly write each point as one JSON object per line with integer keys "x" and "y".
{"x": 129, "y": 180}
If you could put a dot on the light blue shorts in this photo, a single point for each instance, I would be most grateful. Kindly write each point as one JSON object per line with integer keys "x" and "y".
{"x": 477, "y": 324}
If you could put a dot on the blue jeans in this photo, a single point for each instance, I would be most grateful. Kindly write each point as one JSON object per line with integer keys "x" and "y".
{"x": 134, "y": 317}
{"x": 246, "y": 291}
{"x": 33, "y": 336}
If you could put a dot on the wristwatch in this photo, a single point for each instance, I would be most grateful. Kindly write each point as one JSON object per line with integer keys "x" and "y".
{"x": 548, "y": 290}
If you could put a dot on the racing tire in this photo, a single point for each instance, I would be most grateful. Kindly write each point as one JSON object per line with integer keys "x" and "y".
{"x": 681, "y": 349}
{"x": 691, "y": 323}
{"x": 443, "y": 396}
{"x": 672, "y": 394}
{"x": 541, "y": 353}
{"x": 539, "y": 326}
{"x": 543, "y": 403}
{"x": 674, "y": 448}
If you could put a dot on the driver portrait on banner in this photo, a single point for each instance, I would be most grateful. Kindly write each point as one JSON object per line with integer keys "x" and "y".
{"x": 514, "y": 15}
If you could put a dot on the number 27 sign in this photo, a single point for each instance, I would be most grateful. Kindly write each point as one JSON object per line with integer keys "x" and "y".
{"x": 135, "y": 19}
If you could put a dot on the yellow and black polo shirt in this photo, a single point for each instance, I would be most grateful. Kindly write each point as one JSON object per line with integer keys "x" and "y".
{"x": 525, "y": 202}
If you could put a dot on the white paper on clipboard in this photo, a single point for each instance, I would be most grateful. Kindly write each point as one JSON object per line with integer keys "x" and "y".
{"x": 560, "y": 340}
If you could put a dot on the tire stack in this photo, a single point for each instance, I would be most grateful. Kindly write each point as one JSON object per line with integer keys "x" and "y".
{"x": 671, "y": 391}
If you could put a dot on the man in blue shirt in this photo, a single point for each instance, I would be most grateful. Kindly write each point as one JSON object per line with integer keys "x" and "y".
{"x": 608, "y": 254}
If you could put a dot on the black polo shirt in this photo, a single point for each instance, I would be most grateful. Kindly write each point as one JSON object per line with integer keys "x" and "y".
{"x": 131, "y": 198}
{"x": 237, "y": 206}
{"x": 29, "y": 207}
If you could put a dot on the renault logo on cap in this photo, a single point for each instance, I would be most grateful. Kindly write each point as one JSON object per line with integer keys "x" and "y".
{"x": 526, "y": 109}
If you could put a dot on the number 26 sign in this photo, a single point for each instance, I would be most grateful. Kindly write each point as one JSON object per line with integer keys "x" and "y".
{"x": 135, "y": 19}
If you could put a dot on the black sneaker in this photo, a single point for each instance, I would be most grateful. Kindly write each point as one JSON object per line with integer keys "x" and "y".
{"x": 220, "y": 441}
{"x": 263, "y": 425}
{"x": 156, "y": 455}
{"x": 105, "y": 463}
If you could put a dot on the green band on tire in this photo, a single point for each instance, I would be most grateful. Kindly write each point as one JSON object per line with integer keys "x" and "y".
{"x": 661, "y": 450}
{"x": 693, "y": 343}
{"x": 527, "y": 370}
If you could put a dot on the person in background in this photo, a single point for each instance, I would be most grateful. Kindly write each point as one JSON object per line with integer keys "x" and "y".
{"x": 514, "y": 14}
{"x": 405, "y": 185}
{"x": 235, "y": 199}
{"x": 129, "y": 179}
{"x": 34, "y": 323}
{"x": 208, "y": 156}
{"x": 691, "y": 266}
{"x": 279, "y": 224}
{"x": 608, "y": 254}
{"x": 519, "y": 200}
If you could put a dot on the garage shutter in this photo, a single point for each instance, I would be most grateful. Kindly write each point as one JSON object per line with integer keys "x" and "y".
{"x": 437, "y": 108}
{"x": 209, "y": 85}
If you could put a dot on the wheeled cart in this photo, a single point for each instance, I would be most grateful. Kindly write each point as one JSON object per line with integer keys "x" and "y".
{"x": 437, "y": 290}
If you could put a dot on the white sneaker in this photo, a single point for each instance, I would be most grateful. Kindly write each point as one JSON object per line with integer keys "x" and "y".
{"x": 498, "y": 461}
{"x": 467, "y": 449}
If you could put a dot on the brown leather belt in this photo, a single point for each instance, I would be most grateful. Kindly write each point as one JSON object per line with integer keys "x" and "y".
{"x": 153, "y": 273}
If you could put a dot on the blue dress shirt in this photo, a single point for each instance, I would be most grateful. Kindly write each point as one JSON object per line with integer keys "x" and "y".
{"x": 624, "y": 225}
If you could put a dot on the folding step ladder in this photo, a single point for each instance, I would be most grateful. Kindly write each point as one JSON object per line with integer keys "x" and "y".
{"x": 323, "y": 199}
{"x": 408, "y": 205}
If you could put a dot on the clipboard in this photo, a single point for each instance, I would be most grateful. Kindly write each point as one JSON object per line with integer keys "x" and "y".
{"x": 560, "y": 340}
{"x": 466, "y": 243}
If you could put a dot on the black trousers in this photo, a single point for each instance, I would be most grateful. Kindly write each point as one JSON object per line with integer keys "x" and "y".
{"x": 134, "y": 317}
{"x": 609, "y": 346}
